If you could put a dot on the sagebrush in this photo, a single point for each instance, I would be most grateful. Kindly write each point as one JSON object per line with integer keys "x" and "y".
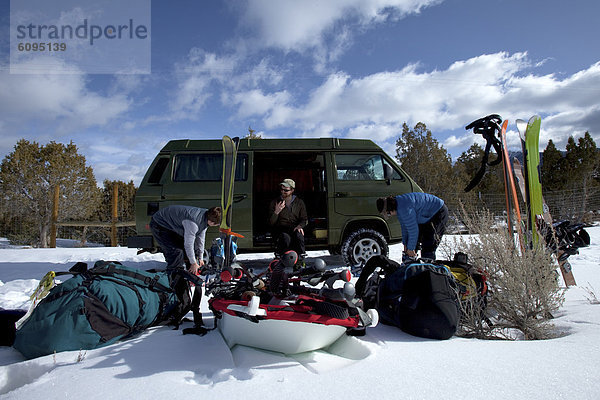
{"x": 523, "y": 282}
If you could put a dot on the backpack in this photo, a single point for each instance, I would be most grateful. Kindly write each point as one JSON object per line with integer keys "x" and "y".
{"x": 96, "y": 308}
{"x": 419, "y": 298}
{"x": 472, "y": 282}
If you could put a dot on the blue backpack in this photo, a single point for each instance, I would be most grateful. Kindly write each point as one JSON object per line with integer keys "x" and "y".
{"x": 95, "y": 308}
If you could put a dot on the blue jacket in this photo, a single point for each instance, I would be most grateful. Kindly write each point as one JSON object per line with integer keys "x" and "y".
{"x": 415, "y": 209}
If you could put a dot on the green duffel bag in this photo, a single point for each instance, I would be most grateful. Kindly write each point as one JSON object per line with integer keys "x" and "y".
{"x": 95, "y": 308}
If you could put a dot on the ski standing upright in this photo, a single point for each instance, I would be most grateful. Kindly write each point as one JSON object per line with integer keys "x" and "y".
{"x": 230, "y": 148}
{"x": 539, "y": 219}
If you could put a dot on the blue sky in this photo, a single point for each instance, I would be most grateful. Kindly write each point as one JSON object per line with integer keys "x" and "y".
{"x": 345, "y": 68}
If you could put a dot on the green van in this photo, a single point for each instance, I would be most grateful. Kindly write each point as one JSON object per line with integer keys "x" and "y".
{"x": 338, "y": 179}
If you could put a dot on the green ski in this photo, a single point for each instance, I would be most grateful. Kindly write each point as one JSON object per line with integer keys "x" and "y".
{"x": 541, "y": 221}
{"x": 534, "y": 183}
{"x": 230, "y": 147}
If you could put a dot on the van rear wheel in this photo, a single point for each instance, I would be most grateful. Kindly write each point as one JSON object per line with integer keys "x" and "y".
{"x": 363, "y": 244}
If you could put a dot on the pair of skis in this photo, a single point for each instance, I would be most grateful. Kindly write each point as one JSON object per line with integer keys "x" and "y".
{"x": 490, "y": 127}
{"x": 539, "y": 219}
{"x": 527, "y": 177}
{"x": 230, "y": 149}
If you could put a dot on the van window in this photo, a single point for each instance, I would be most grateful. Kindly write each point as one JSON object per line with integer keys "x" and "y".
{"x": 397, "y": 176}
{"x": 158, "y": 170}
{"x": 206, "y": 167}
{"x": 359, "y": 167}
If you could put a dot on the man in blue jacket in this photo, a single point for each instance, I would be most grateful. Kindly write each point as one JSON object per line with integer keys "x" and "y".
{"x": 423, "y": 219}
{"x": 180, "y": 231}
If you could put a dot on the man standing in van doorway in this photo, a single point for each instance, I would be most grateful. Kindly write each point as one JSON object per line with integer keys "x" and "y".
{"x": 423, "y": 218}
{"x": 180, "y": 231}
{"x": 287, "y": 216}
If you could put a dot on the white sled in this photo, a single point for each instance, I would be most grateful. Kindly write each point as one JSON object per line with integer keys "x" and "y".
{"x": 260, "y": 326}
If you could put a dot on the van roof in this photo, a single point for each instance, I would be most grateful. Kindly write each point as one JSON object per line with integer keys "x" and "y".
{"x": 273, "y": 144}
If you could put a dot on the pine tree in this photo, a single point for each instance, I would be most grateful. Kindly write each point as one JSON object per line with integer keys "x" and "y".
{"x": 28, "y": 177}
{"x": 470, "y": 163}
{"x": 588, "y": 162}
{"x": 126, "y": 204}
{"x": 551, "y": 169}
{"x": 571, "y": 160}
{"x": 425, "y": 160}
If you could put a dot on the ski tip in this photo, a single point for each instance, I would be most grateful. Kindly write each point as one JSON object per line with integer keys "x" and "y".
{"x": 521, "y": 125}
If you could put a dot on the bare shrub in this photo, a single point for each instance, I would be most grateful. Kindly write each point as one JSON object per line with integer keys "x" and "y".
{"x": 591, "y": 294}
{"x": 523, "y": 283}
{"x": 81, "y": 355}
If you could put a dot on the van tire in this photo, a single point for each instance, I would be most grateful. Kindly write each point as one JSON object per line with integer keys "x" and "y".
{"x": 363, "y": 244}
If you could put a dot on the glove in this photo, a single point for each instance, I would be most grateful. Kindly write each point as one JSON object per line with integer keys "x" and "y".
{"x": 406, "y": 259}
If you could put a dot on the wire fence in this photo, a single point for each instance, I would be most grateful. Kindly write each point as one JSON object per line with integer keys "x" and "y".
{"x": 90, "y": 236}
{"x": 572, "y": 205}
{"x": 20, "y": 227}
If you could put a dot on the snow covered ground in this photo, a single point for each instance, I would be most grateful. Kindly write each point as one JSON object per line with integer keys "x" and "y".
{"x": 384, "y": 364}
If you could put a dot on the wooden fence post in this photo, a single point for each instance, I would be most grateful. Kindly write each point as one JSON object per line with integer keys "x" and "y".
{"x": 115, "y": 215}
{"x": 54, "y": 216}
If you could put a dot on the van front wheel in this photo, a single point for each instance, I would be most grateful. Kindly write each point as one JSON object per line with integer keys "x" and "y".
{"x": 363, "y": 244}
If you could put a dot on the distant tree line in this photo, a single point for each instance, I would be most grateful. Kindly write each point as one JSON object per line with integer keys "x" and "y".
{"x": 430, "y": 165}
{"x": 28, "y": 177}
{"x": 29, "y": 174}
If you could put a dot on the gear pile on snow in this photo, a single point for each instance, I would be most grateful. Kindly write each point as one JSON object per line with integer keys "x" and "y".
{"x": 285, "y": 310}
{"x": 567, "y": 238}
{"x": 421, "y": 298}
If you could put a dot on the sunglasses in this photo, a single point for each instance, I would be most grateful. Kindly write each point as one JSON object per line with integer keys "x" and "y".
{"x": 285, "y": 189}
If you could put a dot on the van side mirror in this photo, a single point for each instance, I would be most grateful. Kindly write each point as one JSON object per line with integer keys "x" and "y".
{"x": 388, "y": 172}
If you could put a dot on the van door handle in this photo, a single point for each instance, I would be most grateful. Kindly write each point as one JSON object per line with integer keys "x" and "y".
{"x": 341, "y": 194}
{"x": 239, "y": 197}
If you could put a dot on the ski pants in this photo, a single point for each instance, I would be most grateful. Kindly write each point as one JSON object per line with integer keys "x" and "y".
{"x": 288, "y": 239}
{"x": 431, "y": 232}
{"x": 171, "y": 245}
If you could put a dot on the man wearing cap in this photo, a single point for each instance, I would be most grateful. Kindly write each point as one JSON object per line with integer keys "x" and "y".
{"x": 287, "y": 216}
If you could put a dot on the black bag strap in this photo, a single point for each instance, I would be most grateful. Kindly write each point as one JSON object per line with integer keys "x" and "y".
{"x": 111, "y": 268}
{"x": 487, "y": 127}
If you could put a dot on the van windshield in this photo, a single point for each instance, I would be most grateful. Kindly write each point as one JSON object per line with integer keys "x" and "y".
{"x": 359, "y": 167}
{"x": 206, "y": 167}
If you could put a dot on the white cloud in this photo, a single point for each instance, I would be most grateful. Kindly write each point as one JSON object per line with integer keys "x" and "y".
{"x": 299, "y": 25}
{"x": 195, "y": 75}
{"x": 254, "y": 102}
{"x": 446, "y": 100}
{"x": 203, "y": 75}
{"x": 65, "y": 101}
{"x": 438, "y": 98}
